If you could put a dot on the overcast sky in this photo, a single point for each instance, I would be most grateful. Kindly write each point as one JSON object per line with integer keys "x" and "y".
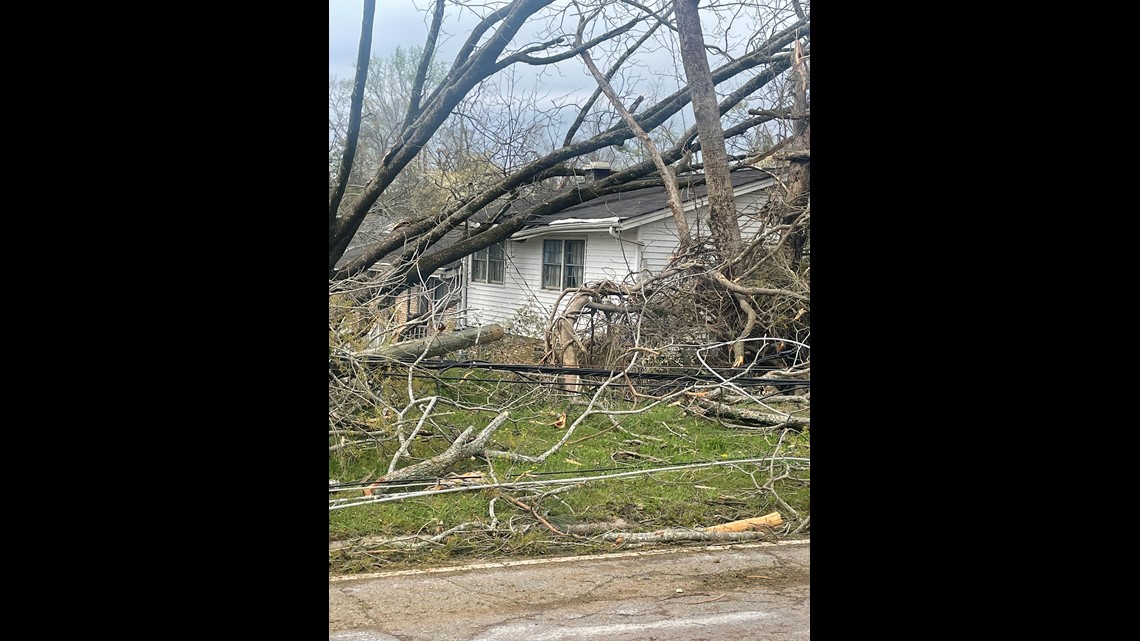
{"x": 400, "y": 23}
{"x": 397, "y": 23}
{"x": 403, "y": 23}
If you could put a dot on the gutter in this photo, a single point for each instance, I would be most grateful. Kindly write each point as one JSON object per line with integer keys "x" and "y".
{"x": 613, "y": 231}
{"x": 561, "y": 229}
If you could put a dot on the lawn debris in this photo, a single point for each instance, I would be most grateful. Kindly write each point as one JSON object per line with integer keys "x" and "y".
{"x": 626, "y": 454}
{"x": 453, "y": 479}
{"x": 769, "y": 520}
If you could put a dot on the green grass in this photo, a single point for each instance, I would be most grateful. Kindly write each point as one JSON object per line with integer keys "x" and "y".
{"x": 661, "y": 436}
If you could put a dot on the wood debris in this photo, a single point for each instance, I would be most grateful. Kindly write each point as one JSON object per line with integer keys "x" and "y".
{"x": 453, "y": 479}
{"x": 769, "y": 520}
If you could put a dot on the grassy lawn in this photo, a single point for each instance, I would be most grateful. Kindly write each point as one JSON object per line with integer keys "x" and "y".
{"x": 366, "y": 538}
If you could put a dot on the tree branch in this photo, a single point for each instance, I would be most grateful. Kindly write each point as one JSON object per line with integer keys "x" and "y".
{"x": 803, "y": 155}
{"x": 785, "y": 113}
{"x": 364, "y": 52}
{"x": 663, "y": 169}
{"x": 609, "y": 76}
{"x": 459, "y": 450}
{"x": 425, "y": 64}
{"x": 719, "y": 278}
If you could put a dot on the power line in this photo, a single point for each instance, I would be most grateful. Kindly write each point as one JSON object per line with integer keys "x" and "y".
{"x": 671, "y": 377}
{"x": 342, "y": 503}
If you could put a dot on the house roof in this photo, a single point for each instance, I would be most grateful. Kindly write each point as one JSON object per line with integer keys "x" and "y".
{"x": 356, "y": 251}
{"x": 612, "y": 208}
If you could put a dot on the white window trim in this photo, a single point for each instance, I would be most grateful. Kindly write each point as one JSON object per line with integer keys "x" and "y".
{"x": 562, "y": 272}
{"x": 486, "y": 280}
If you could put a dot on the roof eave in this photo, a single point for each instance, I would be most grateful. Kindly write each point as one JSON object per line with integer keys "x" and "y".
{"x": 572, "y": 228}
{"x": 634, "y": 221}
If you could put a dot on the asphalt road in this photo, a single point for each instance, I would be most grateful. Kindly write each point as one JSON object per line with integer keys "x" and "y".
{"x": 755, "y": 591}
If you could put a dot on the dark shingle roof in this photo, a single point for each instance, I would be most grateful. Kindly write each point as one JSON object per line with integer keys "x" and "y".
{"x": 622, "y": 205}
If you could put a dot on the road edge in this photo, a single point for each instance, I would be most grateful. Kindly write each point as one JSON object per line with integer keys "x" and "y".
{"x": 564, "y": 559}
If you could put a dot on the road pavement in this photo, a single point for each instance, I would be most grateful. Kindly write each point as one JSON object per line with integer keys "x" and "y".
{"x": 754, "y": 591}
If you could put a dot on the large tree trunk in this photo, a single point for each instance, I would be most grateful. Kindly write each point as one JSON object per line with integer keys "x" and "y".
{"x": 799, "y": 175}
{"x": 722, "y": 208}
{"x": 439, "y": 344}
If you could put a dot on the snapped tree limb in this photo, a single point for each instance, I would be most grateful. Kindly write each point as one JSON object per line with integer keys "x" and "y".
{"x": 460, "y": 449}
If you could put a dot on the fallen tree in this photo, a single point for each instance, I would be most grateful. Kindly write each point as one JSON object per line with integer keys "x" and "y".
{"x": 439, "y": 344}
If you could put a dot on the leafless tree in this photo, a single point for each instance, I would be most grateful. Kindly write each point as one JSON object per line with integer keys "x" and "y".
{"x": 488, "y": 54}
{"x": 475, "y": 132}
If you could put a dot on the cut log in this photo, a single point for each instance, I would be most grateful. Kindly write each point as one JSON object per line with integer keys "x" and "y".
{"x": 712, "y": 409}
{"x": 632, "y": 539}
{"x": 768, "y": 520}
{"x": 439, "y": 344}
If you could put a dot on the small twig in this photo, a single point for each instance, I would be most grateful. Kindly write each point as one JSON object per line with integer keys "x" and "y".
{"x": 406, "y": 443}
{"x": 579, "y": 440}
{"x": 802, "y": 526}
{"x": 631, "y": 454}
{"x": 625, "y": 431}
{"x": 535, "y": 513}
{"x": 706, "y": 600}
{"x": 671, "y": 430}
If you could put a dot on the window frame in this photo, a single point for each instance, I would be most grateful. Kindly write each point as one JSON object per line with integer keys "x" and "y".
{"x": 487, "y": 261}
{"x": 563, "y": 263}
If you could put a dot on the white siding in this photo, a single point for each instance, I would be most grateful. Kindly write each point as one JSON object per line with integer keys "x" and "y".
{"x": 748, "y": 208}
{"x": 660, "y": 237}
{"x": 522, "y": 302}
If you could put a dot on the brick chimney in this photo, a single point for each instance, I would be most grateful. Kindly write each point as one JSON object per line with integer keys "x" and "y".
{"x": 596, "y": 170}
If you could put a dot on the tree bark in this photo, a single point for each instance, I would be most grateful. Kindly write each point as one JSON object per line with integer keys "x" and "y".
{"x": 439, "y": 344}
{"x": 799, "y": 176}
{"x": 720, "y": 410}
{"x": 722, "y": 207}
{"x": 569, "y": 340}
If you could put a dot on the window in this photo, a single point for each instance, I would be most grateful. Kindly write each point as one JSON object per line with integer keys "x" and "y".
{"x": 563, "y": 263}
{"x": 488, "y": 265}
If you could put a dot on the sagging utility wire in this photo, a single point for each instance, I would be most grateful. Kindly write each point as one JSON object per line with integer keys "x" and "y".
{"x": 672, "y": 377}
{"x": 432, "y": 480}
{"x": 340, "y": 504}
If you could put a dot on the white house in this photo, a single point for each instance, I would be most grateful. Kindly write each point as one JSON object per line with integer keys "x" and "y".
{"x": 616, "y": 237}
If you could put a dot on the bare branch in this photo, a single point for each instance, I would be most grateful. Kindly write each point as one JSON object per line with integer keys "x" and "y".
{"x": 785, "y": 113}
{"x": 609, "y": 76}
{"x": 425, "y": 63}
{"x": 364, "y": 51}
{"x": 666, "y": 175}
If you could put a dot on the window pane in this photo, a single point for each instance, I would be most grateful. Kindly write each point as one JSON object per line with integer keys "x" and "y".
{"x": 575, "y": 252}
{"x": 552, "y": 252}
{"x": 551, "y": 276}
{"x": 495, "y": 271}
{"x": 496, "y": 263}
{"x": 574, "y": 276}
{"x": 478, "y": 269}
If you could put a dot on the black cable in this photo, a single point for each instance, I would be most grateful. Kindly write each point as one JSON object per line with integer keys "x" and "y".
{"x": 436, "y": 479}
{"x": 603, "y": 373}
